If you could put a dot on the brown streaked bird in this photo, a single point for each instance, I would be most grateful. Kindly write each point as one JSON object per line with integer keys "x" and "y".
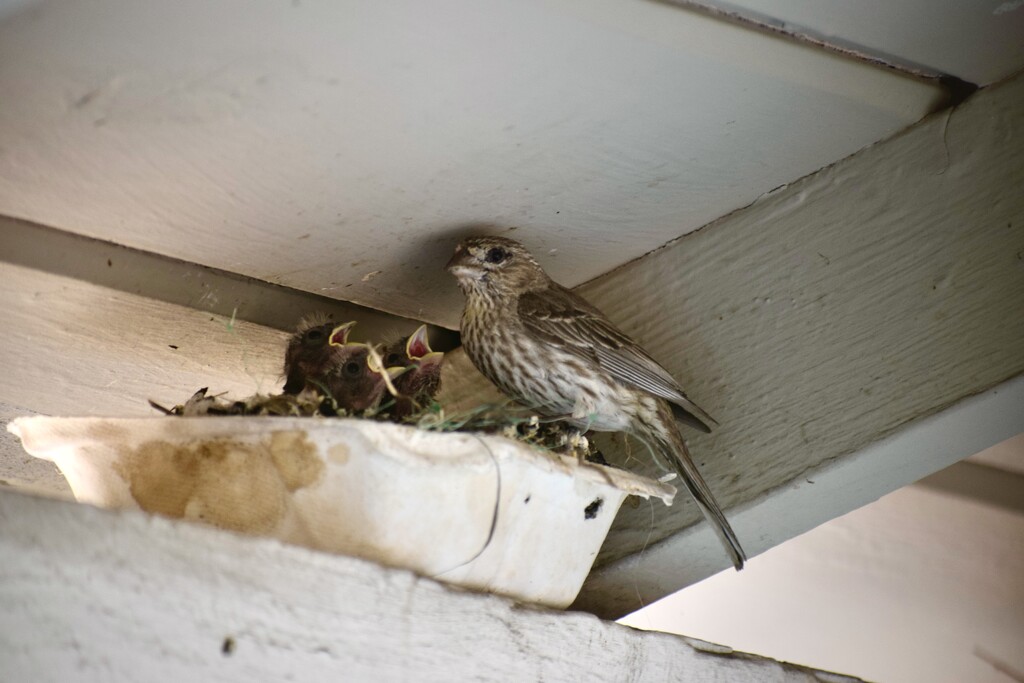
{"x": 551, "y": 350}
{"x": 421, "y": 381}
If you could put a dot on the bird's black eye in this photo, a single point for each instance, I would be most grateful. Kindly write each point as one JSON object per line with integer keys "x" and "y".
{"x": 496, "y": 255}
{"x": 352, "y": 369}
{"x": 392, "y": 359}
{"x": 314, "y": 335}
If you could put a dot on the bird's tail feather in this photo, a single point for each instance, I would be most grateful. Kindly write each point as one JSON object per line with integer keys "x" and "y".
{"x": 675, "y": 452}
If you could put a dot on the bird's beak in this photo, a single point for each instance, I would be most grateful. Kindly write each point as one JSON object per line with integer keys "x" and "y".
{"x": 418, "y": 345}
{"x": 339, "y": 335}
{"x": 457, "y": 258}
{"x": 376, "y": 364}
{"x": 461, "y": 265}
{"x": 432, "y": 358}
{"x": 460, "y": 262}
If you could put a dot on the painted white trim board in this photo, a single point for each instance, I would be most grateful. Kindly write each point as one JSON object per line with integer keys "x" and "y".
{"x": 92, "y": 595}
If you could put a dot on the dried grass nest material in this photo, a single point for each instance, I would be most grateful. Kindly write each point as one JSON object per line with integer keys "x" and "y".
{"x": 506, "y": 419}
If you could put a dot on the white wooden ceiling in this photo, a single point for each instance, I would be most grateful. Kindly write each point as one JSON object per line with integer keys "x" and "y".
{"x": 342, "y": 147}
{"x": 979, "y": 41}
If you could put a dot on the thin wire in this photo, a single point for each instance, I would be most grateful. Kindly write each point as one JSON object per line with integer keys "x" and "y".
{"x": 640, "y": 555}
{"x": 494, "y": 518}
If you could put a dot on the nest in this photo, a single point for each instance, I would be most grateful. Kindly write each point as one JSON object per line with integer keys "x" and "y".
{"x": 506, "y": 419}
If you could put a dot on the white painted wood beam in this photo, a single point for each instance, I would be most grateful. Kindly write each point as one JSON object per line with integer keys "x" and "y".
{"x": 69, "y": 347}
{"x": 975, "y": 41}
{"x": 173, "y": 281}
{"x": 87, "y": 594}
{"x": 94, "y": 328}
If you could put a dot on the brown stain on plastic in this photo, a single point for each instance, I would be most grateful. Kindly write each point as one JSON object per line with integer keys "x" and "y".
{"x": 227, "y": 483}
{"x": 338, "y": 453}
{"x": 295, "y": 459}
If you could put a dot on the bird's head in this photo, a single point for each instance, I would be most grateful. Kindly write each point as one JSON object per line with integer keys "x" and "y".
{"x": 313, "y": 350}
{"x": 364, "y": 372}
{"x": 495, "y": 265}
{"x": 424, "y": 365}
{"x": 358, "y": 382}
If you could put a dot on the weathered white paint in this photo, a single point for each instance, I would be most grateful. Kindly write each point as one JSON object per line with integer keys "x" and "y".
{"x": 178, "y": 282}
{"x": 918, "y": 587}
{"x": 482, "y": 512}
{"x": 316, "y": 143}
{"x": 70, "y": 348}
{"x": 980, "y": 41}
{"x": 94, "y": 595}
{"x": 20, "y": 470}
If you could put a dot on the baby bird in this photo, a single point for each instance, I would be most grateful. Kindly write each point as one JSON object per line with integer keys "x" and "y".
{"x": 359, "y": 385}
{"x": 311, "y": 356}
{"x": 320, "y": 358}
{"x": 421, "y": 379}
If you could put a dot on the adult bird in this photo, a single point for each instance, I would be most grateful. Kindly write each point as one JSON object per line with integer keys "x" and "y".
{"x": 551, "y": 350}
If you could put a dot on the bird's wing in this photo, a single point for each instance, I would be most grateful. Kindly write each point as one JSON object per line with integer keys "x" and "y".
{"x": 565, "y": 320}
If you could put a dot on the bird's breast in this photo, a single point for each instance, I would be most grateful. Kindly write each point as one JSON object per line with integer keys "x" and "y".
{"x": 541, "y": 375}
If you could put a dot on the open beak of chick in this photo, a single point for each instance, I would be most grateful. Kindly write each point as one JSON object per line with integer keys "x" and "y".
{"x": 339, "y": 335}
{"x": 417, "y": 348}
